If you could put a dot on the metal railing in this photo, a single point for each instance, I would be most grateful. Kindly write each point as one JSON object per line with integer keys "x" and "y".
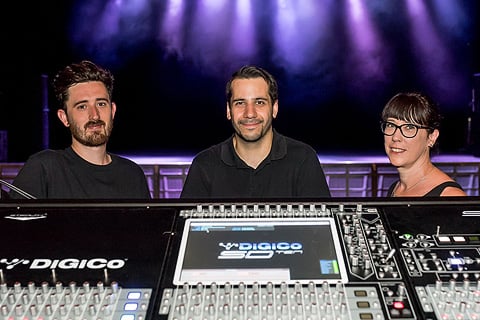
{"x": 344, "y": 180}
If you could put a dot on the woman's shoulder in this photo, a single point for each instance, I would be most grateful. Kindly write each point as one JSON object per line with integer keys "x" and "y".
{"x": 447, "y": 187}
{"x": 451, "y": 188}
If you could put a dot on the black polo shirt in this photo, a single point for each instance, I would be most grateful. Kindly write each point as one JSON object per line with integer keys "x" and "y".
{"x": 291, "y": 170}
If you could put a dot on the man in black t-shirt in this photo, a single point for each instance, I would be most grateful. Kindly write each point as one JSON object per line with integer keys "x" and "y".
{"x": 84, "y": 170}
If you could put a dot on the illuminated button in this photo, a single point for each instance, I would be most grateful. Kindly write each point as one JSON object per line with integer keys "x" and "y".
{"x": 130, "y": 306}
{"x": 444, "y": 239}
{"x": 127, "y": 317}
{"x": 459, "y": 239}
{"x": 427, "y": 307}
{"x": 406, "y": 313}
{"x": 474, "y": 239}
{"x": 394, "y": 313}
{"x": 360, "y": 293}
{"x": 363, "y": 304}
{"x": 425, "y": 244}
{"x": 398, "y": 305}
{"x": 135, "y": 295}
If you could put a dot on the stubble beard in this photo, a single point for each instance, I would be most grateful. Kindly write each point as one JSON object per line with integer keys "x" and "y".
{"x": 92, "y": 139}
{"x": 251, "y": 138}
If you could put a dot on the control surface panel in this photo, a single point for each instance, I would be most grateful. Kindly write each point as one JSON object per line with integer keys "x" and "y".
{"x": 320, "y": 260}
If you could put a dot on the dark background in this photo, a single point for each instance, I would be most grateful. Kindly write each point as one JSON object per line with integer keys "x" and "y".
{"x": 170, "y": 82}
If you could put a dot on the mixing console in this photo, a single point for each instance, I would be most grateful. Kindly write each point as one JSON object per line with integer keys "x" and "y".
{"x": 241, "y": 261}
{"x": 72, "y": 302}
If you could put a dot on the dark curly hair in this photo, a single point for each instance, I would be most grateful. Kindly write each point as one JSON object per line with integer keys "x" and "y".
{"x": 84, "y": 71}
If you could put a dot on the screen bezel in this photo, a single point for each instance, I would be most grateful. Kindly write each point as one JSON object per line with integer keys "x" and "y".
{"x": 263, "y": 275}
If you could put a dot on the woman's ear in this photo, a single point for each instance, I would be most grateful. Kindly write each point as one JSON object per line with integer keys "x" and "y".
{"x": 432, "y": 137}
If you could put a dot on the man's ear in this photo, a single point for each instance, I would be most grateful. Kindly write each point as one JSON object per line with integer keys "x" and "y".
{"x": 114, "y": 109}
{"x": 229, "y": 115}
{"x": 275, "y": 109}
{"x": 62, "y": 115}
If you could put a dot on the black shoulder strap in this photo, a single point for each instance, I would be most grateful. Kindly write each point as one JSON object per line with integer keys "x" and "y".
{"x": 435, "y": 192}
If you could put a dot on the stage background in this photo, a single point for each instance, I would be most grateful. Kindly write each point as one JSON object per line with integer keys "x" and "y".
{"x": 337, "y": 63}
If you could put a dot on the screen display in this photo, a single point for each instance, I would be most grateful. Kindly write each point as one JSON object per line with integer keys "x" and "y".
{"x": 260, "y": 250}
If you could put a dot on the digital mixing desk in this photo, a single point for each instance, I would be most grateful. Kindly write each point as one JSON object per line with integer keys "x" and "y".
{"x": 334, "y": 259}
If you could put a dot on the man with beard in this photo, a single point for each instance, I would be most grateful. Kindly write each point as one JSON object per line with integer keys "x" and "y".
{"x": 85, "y": 170}
{"x": 256, "y": 161}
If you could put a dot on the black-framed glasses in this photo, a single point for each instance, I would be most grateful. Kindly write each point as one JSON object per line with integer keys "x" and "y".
{"x": 408, "y": 130}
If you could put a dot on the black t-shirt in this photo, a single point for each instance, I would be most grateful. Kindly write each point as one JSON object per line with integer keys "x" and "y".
{"x": 62, "y": 174}
{"x": 291, "y": 170}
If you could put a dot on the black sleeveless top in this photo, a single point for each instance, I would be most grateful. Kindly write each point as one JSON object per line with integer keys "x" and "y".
{"x": 435, "y": 192}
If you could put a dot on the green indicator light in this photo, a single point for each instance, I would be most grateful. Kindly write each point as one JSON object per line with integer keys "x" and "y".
{"x": 336, "y": 269}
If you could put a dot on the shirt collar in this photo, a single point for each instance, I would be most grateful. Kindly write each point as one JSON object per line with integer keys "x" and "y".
{"x": 230, "y": 157}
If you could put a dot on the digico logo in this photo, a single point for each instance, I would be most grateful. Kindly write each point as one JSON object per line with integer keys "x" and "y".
{"x": 69, "y": 263}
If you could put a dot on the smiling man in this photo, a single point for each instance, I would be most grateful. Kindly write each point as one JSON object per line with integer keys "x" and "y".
{"x": 256, "y": 161}
{"x": 85, "y": 170}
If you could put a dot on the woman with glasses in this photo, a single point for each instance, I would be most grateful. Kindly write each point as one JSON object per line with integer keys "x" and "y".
{"x": 410, "y": 125}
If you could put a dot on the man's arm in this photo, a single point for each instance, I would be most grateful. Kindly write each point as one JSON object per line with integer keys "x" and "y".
{"x": 312, "y": 180}
{"x": 195, "y": 184}
{"x": 30, "y": 179}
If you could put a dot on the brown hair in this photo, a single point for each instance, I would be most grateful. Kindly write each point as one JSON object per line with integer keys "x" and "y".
{"x": 74, "y": 73}
{"x": 249, "y": 72}
{"x": 413, "y": 107}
